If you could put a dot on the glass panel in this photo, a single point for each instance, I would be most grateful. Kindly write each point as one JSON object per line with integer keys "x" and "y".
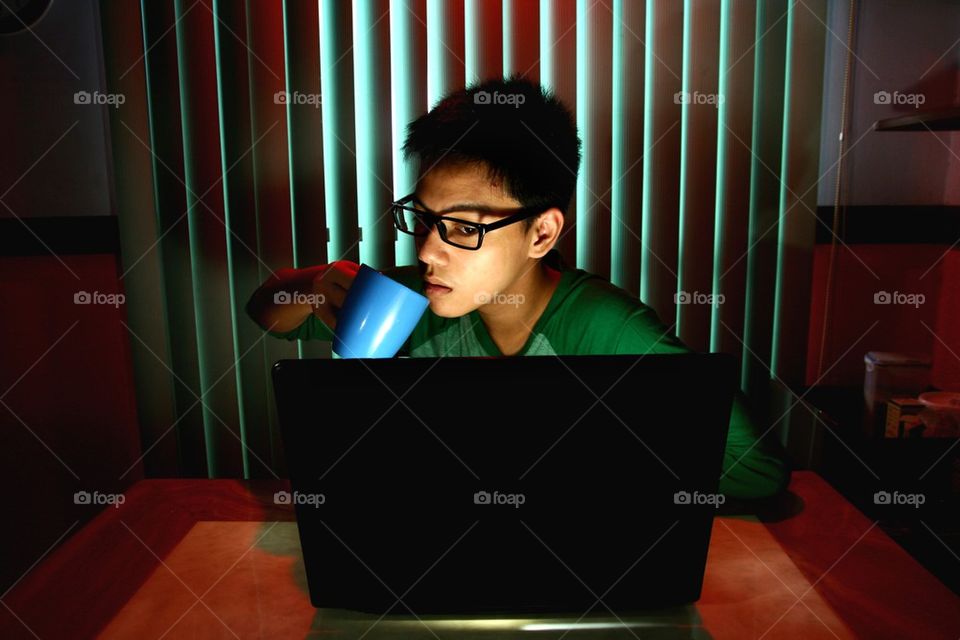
{"x": 412, "y": 222}
{"x": 464, "y": 235}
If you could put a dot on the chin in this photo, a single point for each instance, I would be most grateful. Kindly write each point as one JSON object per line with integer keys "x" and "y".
{"x": 448, "y": 309}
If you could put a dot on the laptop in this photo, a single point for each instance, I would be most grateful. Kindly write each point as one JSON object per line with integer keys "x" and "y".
{"x": 486, "y": 486}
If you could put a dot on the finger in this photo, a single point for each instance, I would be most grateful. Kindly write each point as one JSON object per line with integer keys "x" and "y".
{"x": 326, "y": 315}
{"x": 346, "y": 266}
{"x": 328, "y": 293}
{"x": 334, "y": 277}
{"x": 333, "y": 296}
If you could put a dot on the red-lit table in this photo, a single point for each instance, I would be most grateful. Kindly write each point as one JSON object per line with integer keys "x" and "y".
{"x": 218, "y": 559}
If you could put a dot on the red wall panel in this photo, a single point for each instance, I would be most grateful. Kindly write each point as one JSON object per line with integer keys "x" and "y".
{"x": 861, "y": 271}
{"x": 70, "y": 399}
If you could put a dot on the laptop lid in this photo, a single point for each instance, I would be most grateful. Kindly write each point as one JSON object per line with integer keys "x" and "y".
{"x": 515, "y": 485}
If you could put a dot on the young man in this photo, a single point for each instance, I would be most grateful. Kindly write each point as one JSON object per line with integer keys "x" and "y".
{"x": 498, "y": 166}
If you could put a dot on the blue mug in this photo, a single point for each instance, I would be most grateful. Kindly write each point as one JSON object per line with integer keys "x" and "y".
{"x": 377, "y": 317}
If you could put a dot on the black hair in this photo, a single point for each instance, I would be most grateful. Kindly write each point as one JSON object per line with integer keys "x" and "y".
{"x": 521, "y": 133}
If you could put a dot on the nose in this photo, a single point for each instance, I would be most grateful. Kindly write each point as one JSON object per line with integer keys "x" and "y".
{"x": 431, "y": 249}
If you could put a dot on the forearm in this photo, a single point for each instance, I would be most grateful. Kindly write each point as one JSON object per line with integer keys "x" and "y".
{"x": 752, "y": 468}
{"x": 753, "y": 474}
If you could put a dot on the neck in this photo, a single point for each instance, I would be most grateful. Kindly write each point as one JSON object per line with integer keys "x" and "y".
{"x": 511, "y": 317}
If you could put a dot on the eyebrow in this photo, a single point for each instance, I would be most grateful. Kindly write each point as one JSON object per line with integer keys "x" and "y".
{"x": 472, "y": 207}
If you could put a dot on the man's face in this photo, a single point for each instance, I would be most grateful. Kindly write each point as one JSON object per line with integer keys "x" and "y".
{"x": 473, "y": 277}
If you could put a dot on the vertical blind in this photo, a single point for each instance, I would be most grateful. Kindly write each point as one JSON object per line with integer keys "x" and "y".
{"x": 262, "y": 135}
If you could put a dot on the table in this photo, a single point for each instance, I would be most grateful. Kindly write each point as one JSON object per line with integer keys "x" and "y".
{"x": 218, "y": 559}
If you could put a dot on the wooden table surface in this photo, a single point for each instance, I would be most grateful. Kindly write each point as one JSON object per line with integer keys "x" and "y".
{"x": 218, "y": 559}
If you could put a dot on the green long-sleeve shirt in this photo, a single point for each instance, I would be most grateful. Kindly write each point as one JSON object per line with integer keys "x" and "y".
{"x": 586, "y": 315}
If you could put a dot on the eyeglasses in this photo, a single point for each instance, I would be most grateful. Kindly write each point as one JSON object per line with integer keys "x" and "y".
{"x": 459, "y": 233}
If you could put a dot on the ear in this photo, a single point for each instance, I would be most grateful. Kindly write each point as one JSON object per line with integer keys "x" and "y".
{"x": 544, "y": 233}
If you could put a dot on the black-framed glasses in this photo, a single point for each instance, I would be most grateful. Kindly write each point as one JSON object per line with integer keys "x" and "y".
{"x": 459, "y": 233}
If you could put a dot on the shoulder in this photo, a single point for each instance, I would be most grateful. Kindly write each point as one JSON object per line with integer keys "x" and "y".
{"x": 611, "y": 319}
{"x": 592, "y": 296}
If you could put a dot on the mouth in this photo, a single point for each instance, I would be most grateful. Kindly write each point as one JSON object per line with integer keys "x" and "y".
{"x": 435, "y": 287}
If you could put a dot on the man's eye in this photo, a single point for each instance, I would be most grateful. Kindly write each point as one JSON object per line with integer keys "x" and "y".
{"x": 465, "y": 230}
